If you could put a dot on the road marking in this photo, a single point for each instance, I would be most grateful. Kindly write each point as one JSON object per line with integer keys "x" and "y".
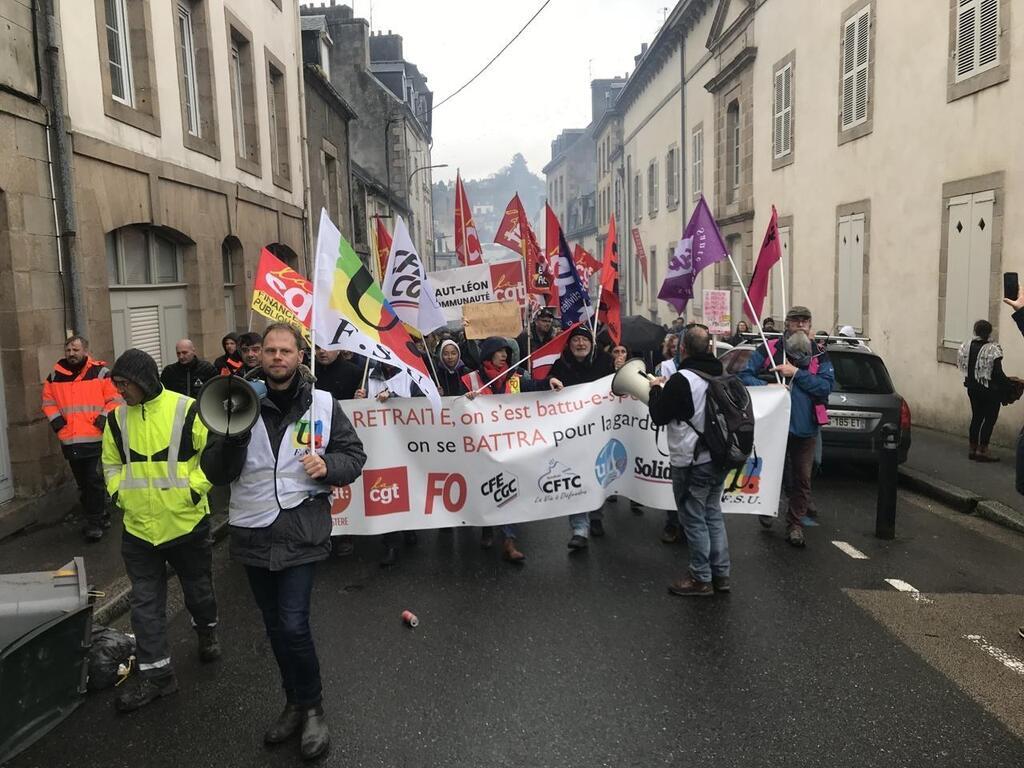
{"x": 852, "y": 551}
{"x": 1010, "y": 662}
{"x": 910, "y": 589}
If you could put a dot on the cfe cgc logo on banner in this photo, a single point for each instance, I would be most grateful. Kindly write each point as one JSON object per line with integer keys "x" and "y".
{"x": 743, "y": 485}
{"x": 611, "y": 462}
{"x": 501, "y": 489}
{"x": 385, "y": 491}
{"x": 559, "y": 482}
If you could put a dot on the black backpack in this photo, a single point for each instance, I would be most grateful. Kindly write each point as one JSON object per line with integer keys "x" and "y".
{"x": 728, "y": 432}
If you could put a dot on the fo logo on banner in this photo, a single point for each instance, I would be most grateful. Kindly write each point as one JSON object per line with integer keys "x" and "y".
{"x": 385, "y": 491}
{"x": 611, "y": 463}
{"x": 501, "y": 489}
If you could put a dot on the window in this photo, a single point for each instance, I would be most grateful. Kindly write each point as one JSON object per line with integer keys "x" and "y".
{"x": 977, "y": 37}
{"x": 236, "y": 96}
{"x": 733, "y": 149}
{"x": 698, "y": 160}
{"x": 189, "y": 84}
{"x": 968, "y": 264}
{"x": 652, "y": 285}
{"x": 785, "y": 271}
{"x": 119, "y": 58}
{"x": 228, "y": 268}
{"x": 243, "y": 95}
{"x": 860, "y": 374}
{"x": 652, "y": 188}
{"x": 329, "y": 178}
{"x": 141, "y": 256}
{"x": 850, "y": 272}
{"x": 782, "y": 110}
{"x": 671, "y": 178}
{"x": 856, "y": 56}
{"x": 277, "y": 97}
{"x": 735, "y": 245}
{"x": 637, "y": 198}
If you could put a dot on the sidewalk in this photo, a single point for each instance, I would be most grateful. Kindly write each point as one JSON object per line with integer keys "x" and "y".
{"x": 938, "y": 467}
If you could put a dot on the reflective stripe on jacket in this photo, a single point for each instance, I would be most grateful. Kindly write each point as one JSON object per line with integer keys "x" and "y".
{"x": 150, "y": 460}
{"x": 76, "y": 404}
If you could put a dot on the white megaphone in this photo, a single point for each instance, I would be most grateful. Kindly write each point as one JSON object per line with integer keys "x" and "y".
{"x": 632, "y": 379}
{"x": 230, "y": 405}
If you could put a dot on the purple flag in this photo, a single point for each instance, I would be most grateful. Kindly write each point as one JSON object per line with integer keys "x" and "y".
{"x": 700, "y": 246}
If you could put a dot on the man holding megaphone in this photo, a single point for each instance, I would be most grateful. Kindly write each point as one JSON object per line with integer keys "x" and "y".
{"x": 281, "y": 471}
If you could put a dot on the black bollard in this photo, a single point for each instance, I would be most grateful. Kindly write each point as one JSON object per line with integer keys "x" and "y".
{"x": 888, "y": 462}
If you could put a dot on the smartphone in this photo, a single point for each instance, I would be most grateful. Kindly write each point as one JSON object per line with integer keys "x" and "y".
{"x": 1011, "y": 286}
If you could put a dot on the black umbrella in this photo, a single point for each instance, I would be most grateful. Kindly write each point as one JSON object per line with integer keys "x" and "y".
{"x": 640, "y": 335}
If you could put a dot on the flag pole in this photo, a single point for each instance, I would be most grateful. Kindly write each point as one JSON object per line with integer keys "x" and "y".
{"x": 782, "y": 277}
{"x": 503, "y": 373}
{"x": 526, "y": 281}
{"x": 753, "y": 314}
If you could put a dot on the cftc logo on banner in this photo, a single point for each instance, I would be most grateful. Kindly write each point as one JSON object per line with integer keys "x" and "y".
{"x": 611, "y": 462}
{"x": 385, "y": 491}
{"x": 560, "y": 482}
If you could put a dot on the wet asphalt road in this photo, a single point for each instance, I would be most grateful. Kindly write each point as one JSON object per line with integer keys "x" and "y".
{"x": 813, "y": 660}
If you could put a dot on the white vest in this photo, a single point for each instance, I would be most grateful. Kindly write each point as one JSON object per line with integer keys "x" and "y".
{"x": 682, "y": 440}
{"x": 269, "y": 483}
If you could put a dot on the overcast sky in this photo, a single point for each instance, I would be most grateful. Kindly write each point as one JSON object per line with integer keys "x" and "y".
{"x": 539, "y": 86}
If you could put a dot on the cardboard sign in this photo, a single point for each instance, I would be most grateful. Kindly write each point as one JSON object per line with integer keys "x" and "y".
{"x": 494, "y": 318}
{"x": 717, "y": 309}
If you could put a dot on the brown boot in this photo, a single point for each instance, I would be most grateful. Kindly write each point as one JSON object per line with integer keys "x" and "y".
{"x": 984, "y": 457}
{"x": 510, "y": 553}
{"x": 973, "y": 453}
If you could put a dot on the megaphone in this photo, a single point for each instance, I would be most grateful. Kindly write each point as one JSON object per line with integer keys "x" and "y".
{"x": 230, "y": 405}
{"x": 632, "y": 379}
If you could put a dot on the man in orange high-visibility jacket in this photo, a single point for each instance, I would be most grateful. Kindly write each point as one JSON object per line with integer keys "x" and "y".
{"x": 77, "y": 396}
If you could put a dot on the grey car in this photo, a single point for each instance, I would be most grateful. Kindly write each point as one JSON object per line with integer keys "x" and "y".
{"x": 862, "y": 401}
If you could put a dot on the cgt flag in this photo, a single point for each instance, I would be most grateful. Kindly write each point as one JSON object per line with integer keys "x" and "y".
{"x": 573, "y": 299}
{"x": 406, "y": 286}
{"x": 350, "y": 312}
{"x": 545, "y": 356}
{"x": 383, "y": 247}
{"x": 585, "y": 263}
{"x": 467, "y": 242}
{"x": 510, "y": 234}
{"x": 282, "y": 294}
{"x": 768, "y": 257}
{"x": 610, "y": 309}
{"x": 700, "y": 246}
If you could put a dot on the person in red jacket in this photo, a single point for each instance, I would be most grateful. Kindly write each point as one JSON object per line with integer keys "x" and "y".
{"x": 77, "y": 396}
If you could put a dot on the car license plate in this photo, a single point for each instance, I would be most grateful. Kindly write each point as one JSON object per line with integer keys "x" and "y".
{"x": 847, "y": 422}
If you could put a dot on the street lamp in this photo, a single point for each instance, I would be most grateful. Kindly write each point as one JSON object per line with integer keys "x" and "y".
{"x": 426, "y": 168}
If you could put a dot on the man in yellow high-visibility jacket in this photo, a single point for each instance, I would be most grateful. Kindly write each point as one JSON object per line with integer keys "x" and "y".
{"x": 151, "y": 451}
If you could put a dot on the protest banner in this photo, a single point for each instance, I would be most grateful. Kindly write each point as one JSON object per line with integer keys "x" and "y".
{"x": 716, "y": 311}
{"x": 495, "y": 318}
{"x": 282, "y": 294}
{"x": 515, "y": 458}
{"x": 494, "y": 281}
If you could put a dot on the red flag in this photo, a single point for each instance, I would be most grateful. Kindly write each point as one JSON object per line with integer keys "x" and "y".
{"x": 509, "y": 234}
{"x": 552, "y": 239}
{"x": 769, "y": 256}
{"x": 467, "y": 244}
{"x": 640, "y": 252}
{"x": 383, "y": 248}
{"x": 545, "y": 356}
{"x": 282, "y": 294}
{"x": 610, "y": 312}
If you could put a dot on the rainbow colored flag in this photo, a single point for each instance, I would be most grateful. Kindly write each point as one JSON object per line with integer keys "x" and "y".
{"x": 350, "y": 311}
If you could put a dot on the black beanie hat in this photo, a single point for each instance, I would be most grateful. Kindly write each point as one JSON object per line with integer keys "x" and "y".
{"x": 582, "y": 330}
{"x": 139, "y": 368}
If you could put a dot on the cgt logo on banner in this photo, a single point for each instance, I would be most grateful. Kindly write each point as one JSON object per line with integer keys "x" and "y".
{"x": 496, "y": 281}
{"x": 510, "y": 459}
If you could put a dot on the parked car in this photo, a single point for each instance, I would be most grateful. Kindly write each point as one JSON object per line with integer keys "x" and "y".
{"x": 862, "y": 401}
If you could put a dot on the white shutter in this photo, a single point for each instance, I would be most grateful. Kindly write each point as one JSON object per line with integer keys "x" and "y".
{"x": 979, "y": 270}
{"x": 856, "y": 60}
{"x": 698, "y": 161}
{"x": 977, "y": 37}
{"x": 777, "y": 115}
{"x": 144, "y": 331}
{"x": 850, "y": 299}
{"x": 958, "y": 257}
{"x": 849, "y": 67}
{"x": 988, "y": 35}
{"x": 776, "y": 305}
{"x": 783, "y": 111}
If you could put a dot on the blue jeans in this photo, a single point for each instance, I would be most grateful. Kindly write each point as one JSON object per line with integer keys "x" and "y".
{"x": 283, "y": 599}
{"x": 698, "y": 492}
{"x": 580, "y": 522}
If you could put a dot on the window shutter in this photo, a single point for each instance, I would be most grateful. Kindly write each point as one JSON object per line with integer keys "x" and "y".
{"x": 849, "y": 67}
{"x": 958, "y": 256}
{"x": 787, "y": 107}
{"x": 777, "y": 112}
{"x": 988, "y": 34}
{"x": 966, "y": 34}
{"x": 979, "y": 272}
{"x": 850, "y": 301}
{"x": 856, "y": 59}
{"x": 144, "y": 331}
{"x": 860, "y": 99}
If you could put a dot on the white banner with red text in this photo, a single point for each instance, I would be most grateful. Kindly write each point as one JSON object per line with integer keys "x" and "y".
{"x": 515, "y": 458}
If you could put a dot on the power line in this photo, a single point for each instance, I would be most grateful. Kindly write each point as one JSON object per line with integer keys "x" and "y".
{"x": 488, "y": 64}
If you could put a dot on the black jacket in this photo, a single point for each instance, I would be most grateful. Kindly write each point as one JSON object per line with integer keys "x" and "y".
{"x": 535, "y": 340}
{"x": 302, "y": 534}
{"x": 341, "y": 378}
{"x": 188, "y": 379}
{"x": 674, "y": 401}
{"x": 568, "y": 370}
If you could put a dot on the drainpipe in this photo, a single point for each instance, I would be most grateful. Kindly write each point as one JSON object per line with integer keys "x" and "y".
{"x": 307, "y": 199}
{"x": 61, "y": 172}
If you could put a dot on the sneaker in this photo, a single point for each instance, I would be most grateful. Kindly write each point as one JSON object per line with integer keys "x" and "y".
{"x": 596, "y": 528}
{"x": 691, "y": 587}
{"x": 578, "y": 542}
{"x": 796, "y": 536}
{"x": 209, "y": 645}
{"x": 93, "y": 532}
{"x": 146, "y": 690}
{"x": 670, "y": 534}
{"x": 721, "y": 583}
{"x": 765, "y": 520}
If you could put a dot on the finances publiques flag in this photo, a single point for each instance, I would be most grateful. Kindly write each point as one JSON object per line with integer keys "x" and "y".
{"x": 700, "y": 246}
{"x": 350, "y": 311}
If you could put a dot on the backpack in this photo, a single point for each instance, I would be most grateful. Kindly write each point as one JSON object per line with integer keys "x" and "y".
{"x": 728, "y": 432}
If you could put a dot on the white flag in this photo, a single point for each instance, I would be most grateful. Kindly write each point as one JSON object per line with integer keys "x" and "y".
{"x": 406, "y": 286}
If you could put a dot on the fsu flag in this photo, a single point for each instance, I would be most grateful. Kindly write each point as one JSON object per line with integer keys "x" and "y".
{"x": 770, "y": 255}
{"x": 610, "y": 310}
{"x": 467, "y": 243}
{"x": 545, "y": 356}
{"x": 383, "y": 248}
{"x": 510, "y": 233}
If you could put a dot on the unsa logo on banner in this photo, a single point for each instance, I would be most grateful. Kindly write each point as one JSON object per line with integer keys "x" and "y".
{"x": 385, "y": 491}
{"x": 610, "y": 463}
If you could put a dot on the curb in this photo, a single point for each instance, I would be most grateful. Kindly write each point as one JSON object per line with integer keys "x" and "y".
{"x": 119, "y": 593}
{"x": 951, "y": 495}
{"x": 999, "y": 513}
